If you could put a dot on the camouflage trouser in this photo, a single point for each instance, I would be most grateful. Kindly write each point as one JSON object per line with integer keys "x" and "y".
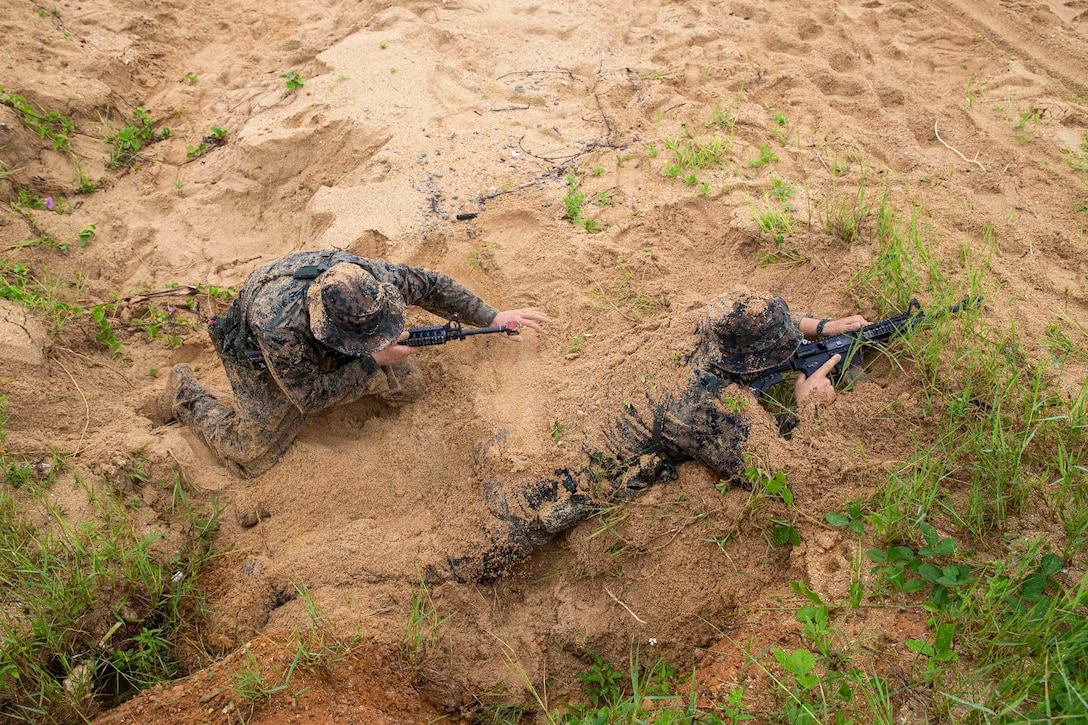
{"x": 527, "y": 516}
{"x": 251, "y": 437}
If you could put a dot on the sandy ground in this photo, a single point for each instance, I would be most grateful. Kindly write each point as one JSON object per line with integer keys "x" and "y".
{"x": 413, "y": 113}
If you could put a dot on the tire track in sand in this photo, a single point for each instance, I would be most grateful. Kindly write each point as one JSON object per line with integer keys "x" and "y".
{"x": 1052, "y": 48}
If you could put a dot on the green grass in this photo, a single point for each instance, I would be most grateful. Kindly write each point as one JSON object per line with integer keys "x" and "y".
{"x": 423, "y": 631}
{"x": 1005, "y": 440}
{"x": 44, "y": 293}
{"x": 102, "y": 608}
{"x": 129, "y": 140}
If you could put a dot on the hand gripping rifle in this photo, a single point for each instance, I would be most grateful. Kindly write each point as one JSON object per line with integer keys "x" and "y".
{"x": 810, "y": 356}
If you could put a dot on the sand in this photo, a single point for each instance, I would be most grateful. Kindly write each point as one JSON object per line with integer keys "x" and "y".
{"x": 414, "y": 113}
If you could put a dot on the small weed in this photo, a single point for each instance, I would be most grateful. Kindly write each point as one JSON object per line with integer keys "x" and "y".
{"x": 87, "y": 233}
{"x": 766, "y": 156}
{"x": 383, "y": 46}
{"x": 722, "y": 119}
{"x": 780, "y": 189}
{"x": 49, "y": 125}
{"x": 250, "y": 685}
{"x": 692, "y": 154}
{"x": 597, "y": 171}
{"x": 578, "y": 342}
{"x": 773, "y": 483}
{"x": 193, "y": 152}
{"x": 774, "y": 221}
{"x": 557, "y": 431}
{"x": 651, "y": 150}
{"x": 293, "y": 80}
{"x": 128, "y": 141}
{"x": 190, "y": 78}
{"x": 423, "y": 630}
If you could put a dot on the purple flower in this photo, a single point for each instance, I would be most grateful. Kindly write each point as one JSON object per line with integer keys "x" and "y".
{"x": 172, "y": 310}
{"x": 49, "y": 203}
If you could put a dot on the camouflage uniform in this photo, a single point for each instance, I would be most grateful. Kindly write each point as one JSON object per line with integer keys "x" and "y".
{"x": 742, "y": 334}
{"x": 302, "y": 375}
{"x": 640, "y": 451}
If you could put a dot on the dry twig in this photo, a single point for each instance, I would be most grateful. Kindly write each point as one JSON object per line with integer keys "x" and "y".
{"x": 86, "y": 407}
{"x": 617, "y": 601}
{"x": 970, "y": 161}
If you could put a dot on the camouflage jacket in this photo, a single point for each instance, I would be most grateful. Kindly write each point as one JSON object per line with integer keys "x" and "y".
{"x": 697, "y": 425}
{"x": 312, "y": 375}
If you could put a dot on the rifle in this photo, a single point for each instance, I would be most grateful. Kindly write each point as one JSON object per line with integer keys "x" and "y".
{"x": 417, "y": 336}
{"x": 452, "y": 330}
{"x": 810, "y": 356}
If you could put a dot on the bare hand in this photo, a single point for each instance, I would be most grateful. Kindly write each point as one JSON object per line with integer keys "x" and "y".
{"x": 817, "y": 386}
{"x": 527, "y": 317}
{"x": 395, "y": 354}
{"x": 853, "y": 323}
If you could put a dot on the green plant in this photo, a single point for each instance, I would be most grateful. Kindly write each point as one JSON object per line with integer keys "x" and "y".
{"x": 192, "y": 152}
{"x": 249, "y": 682}
{"x": 557, "y": 431}
{"x": 293, "y": 80}
{"x": 86, "y": 233}
{"x": 578, "y": 342}
{"x": 597, "y": 171}
{"x": 773, "y": 483}
{"x": 645, "y": 694}
{"x": 774, "y": 221}
{"x": 423, "y": 630}
{"x": 49, "y": 125}
{"x": 692, "y": 154}
{"x": 780, "y": 189}
{"x": 73, "y": 583}
{"x": 129, "y": 140}
{"x": 766, "y": 156}
{"x": 722, "y": 119}
{"x": 651, "y": 150}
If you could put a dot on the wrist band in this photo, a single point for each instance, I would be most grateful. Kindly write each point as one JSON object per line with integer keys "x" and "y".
{"x": 820, "y": 327}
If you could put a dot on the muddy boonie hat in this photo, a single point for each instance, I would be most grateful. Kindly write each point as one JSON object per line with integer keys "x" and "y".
{"x": 351, "y": 311}
{"x": 746, "y": 332}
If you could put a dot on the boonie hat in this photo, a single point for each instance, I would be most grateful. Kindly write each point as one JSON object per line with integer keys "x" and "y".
{"x": 351, "y": 311}
{"x": 746, "y": 332}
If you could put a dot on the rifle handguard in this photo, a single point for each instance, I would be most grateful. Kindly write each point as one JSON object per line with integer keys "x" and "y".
{"x": 452, "y": 330}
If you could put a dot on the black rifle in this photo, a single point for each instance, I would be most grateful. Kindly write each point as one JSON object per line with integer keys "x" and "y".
{"x": 417, "y": 336}
{"x": 452, "y": 330}
{"x": 810, "y": 356}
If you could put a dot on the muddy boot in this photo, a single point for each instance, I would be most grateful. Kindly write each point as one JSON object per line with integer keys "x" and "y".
{"x": 525, "y": 518}
{"x": 159, "y": 409}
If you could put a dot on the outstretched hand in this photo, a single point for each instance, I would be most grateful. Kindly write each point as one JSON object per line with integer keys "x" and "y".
{"x": 817, "y": 386}
{"x": 527, "y": 317}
